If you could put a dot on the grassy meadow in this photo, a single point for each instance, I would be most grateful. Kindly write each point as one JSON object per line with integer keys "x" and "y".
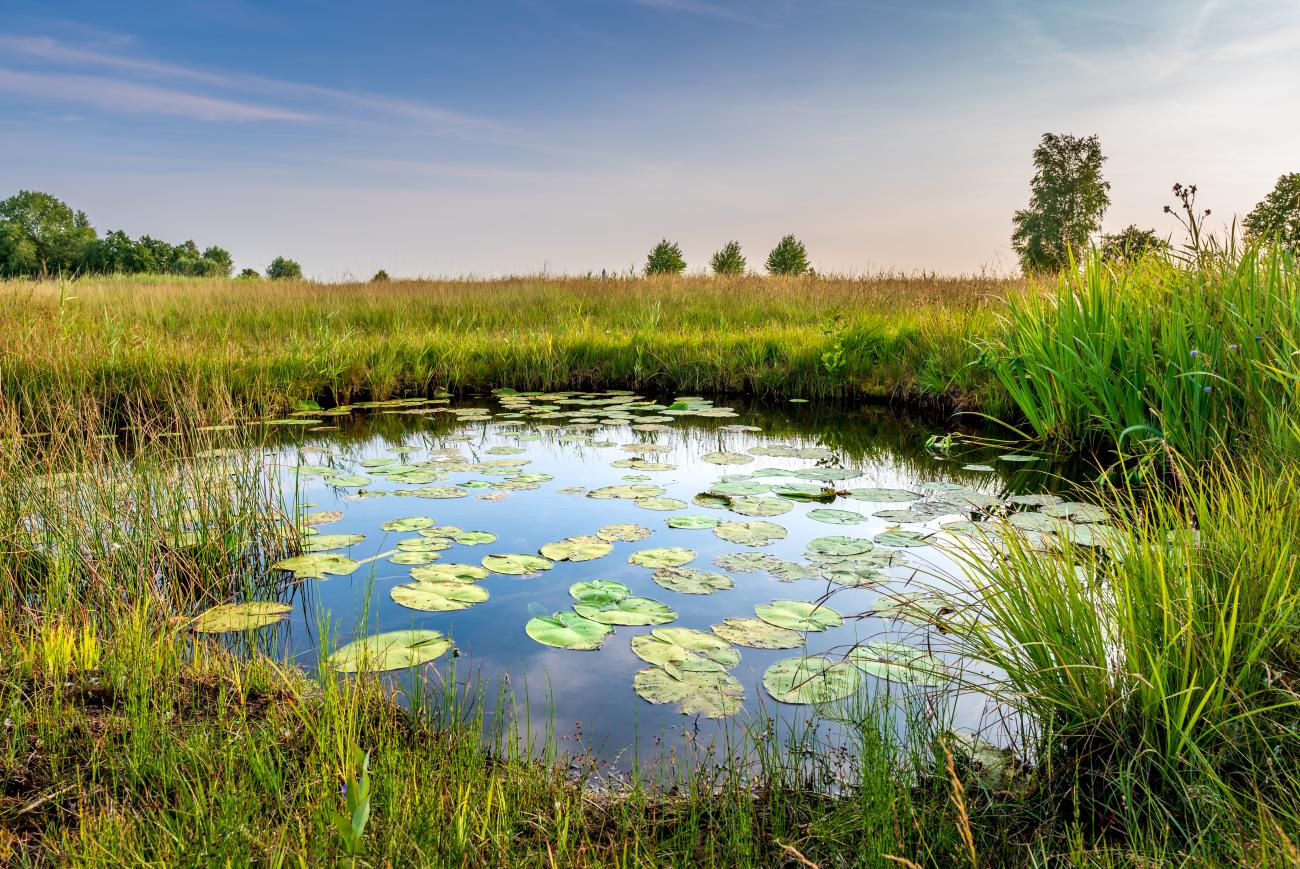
{"x": 1164, "y": 684}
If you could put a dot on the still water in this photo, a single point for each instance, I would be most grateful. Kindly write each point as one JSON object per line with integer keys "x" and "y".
{"x": 522, "y": 468}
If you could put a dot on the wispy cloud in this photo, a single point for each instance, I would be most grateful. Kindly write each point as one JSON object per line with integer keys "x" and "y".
{"x": 700, "y": 7}
{"x": 51, "y": 51}
{"x": 137, "y": 98}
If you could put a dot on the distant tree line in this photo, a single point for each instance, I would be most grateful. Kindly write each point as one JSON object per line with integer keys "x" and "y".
{"x": 40, "y": 235}
{"x": 789, "y": 257}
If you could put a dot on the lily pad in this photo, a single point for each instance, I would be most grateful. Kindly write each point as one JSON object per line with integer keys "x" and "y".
{"x": 666, "y": 556}
{"x": 855, "y": 576}
{"x": 413, "y": 558}
{"x": 735, "y": 488}
{"x": 757, "y": 634}
{"x": 902, "y": 537}
{"x": 347, "y": 481}
{"x": 748, "y": 505}
{"x": 1043, "y": 500}
{"x": 724, "y": 458}
{"x": 836, "y": 517}
{"x": 321, "y": 517}
{"x": 799, "y": 615}
{"x": 423, "y": 544}
{"x": 690, "y": 580}
{"x": 317, "y": 565}
{"x": 394, "y": 650}
{"x": 628, "y": 611}
{"x": 410, "y": 523}
{"x": 248, "y": 616}
{"x": 630, "y": 492}
{"x": 442, "y": 596}
{"x": 439, "y": 492}
{"x": 898, "y": 662}
{"x": 659, "y": 503}
{"x": 916, "y": 608}
{"x": 693, "y": 522}
{"x": 840, "y": 545}
{"x": 711, "y": 694}
{"x": 1076, "y": 512}
{"x": 516, "y": 563}
{"x": 582, "y": 548}
{"x": 746, "y": 562}
{"x": 474, "y": 538}
{"x": 626, "y": 532}
{"x": 789, "y": 571}
{"x": 754, "y": 533}
{"x": 811, "y": 680}
{"x": 883, "y": 496}
{"x": 449, "y": 573}
{"x": 599, "y": 592}
{"x": 685, "y": 650}
{"x": 804, "y": 492}
{"x": 326, "y": 542}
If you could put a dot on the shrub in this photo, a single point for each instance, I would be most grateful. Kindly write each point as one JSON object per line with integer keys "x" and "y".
{"x": 1131, "y": 243}
{"x": 250, "y": 274}
{"x": 665, "y": 259}
{"x": 789, "y": 257}
{"x": 380, "y": 275}
{"x": 729, "y": 260}
{"x": 283, "y": 269}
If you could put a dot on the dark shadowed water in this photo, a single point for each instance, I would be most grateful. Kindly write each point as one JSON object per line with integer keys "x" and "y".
{"x": 591, "y": 692}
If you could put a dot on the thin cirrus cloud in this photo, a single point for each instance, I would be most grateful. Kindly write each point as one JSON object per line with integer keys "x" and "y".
{"x": 129, "y": 96}
{"x": 137, "y": 98}
{"x": 699, "y": 7}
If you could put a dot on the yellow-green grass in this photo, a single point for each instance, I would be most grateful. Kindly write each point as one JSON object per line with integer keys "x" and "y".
{"x": 134, "y": 342}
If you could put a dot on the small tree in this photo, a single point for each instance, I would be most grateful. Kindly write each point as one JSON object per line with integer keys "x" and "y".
{"x": 283, "y": 269}
{"x": 250, "y": 275}
{"x": 380, "y": 275}
{"x": 1131, "y": 243}
{"x": 222, "y": 264}
{"x": 1067, "y": 198}
{"x": 1277, "y": 216}
{"x": 665, "y": 259}
{"x": 729, "y": 260}
{"x": 789, "y": 257}
{"x": 40, "y": 234}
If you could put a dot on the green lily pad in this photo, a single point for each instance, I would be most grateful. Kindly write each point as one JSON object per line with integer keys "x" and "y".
{"x": 347, "y": 481}
{"x": 667, "y": 556}
{"x": 737, "y": 488}
{"x": 630, "y": 492}
{"x": 914, "y": 607}
{"x": 898, "y": 662}
{"x": 1077, "y": 512}
{"x": 723, "y": 458}
{"x": 516, "y": 563}
{"x": 799, "y": 615}
{"x": 1039, "y": 522}
{"x": 746, "y": 562}
{"x": 321, "y": 517}
{"x": 789, "y": 571}
{"x": 754, "y": 533}
{"x": 711, "y": 502}
{"x": 855, "y": 576}
{"x": 883, "y": 496}
{"x": 1018, "y": 457}
{"x": 1036, "y": 500}
{"x": 474, "y": 538}
{"x": 840, "y": 545}
{"x": 248, "y": 616}
{"x": 449, "y": 573}
{"x": 711, "y": 694}
{"x": 902, "y": 537}
{"x": 581, "y": 548}
{"x": 326, "y": 542}
{"x": 980, "y": 468}
{"x": 394, "y": 650}
{"x": 748, "y": 505}
{"x": 439, "y": 596}
{"x": 811, "y": 680}
{"x": 690, "y": 580}
{"x": 659, "y": 503}
{"x": 804, "y": 492}
{"x": 836, "y": 517}
{"x": 628, "y": 611}
{"x": 906, "y": 516}
{"x": 414, "y": 558}
{"x": 693, "y": 522}
{"x": 317, "y": 564}
{"x": 410, "y": 523}
{"x": 377, "y": 463}
{"x": 599, "y": 592}
{"x": 626, "y": 532}
{"x": 439, "y": 492}
{"x": 423, "y": 544}
{"x": 685, "y": 650}
{"x": 757, "y": 634}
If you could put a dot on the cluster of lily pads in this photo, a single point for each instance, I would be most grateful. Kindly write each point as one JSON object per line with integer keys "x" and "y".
{"x": 687, "y": 667}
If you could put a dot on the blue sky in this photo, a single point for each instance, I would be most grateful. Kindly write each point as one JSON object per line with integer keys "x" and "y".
{"x": 505, "y": 137}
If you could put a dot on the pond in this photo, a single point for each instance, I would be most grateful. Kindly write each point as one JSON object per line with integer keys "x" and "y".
{"x": 595, "y": 552}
